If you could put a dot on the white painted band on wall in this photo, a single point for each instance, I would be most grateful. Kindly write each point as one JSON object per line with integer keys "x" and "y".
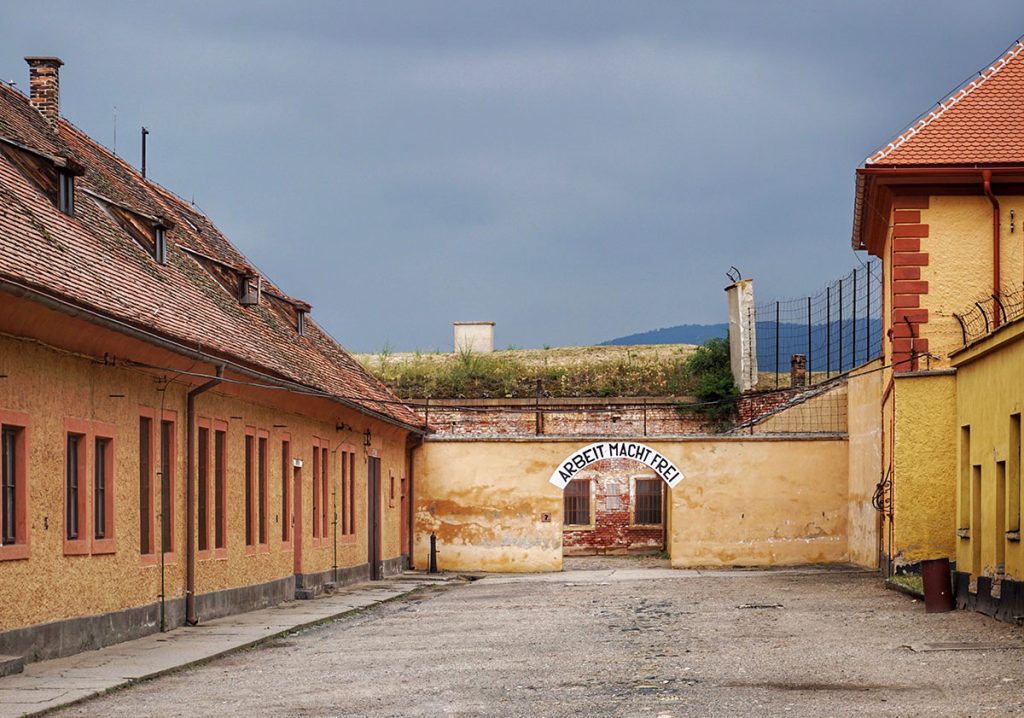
{"x": 616, "y": 450}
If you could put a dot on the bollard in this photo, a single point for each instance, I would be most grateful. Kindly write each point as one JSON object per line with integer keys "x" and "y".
{"x": 433, "y": 554}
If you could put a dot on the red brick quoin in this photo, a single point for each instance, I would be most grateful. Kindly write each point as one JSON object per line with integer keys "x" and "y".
{"x": 907, "y": 287}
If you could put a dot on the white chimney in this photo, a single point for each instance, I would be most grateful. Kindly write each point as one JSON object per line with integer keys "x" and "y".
{"x": 475, "y": 337}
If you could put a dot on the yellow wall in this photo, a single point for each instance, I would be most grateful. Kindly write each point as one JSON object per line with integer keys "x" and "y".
{"x": 864, "y": 392}
{"x": 52, "y": 386}
{"x": 990, "y": 388}
{"x": 924, "y": 467}
{"x": 743, "y": 502}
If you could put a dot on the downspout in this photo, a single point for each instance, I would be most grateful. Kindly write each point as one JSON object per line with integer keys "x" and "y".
{"x": 190, "y": 496}
{"x": 986, "y": 177}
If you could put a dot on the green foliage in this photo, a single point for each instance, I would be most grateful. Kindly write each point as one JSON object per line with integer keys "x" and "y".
{"x": 713, "y": 383}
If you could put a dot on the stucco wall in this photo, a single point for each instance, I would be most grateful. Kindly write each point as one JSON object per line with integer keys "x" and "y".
{"x": 990, "y": 389}
{"x": 51, "y": 387}
{"x": 743, "y": 502}
{"x": 864, "y": 392}
{"x": 924, "y": 465}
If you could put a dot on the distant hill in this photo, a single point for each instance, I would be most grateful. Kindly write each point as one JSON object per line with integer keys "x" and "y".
{"x": 681, "y": 334}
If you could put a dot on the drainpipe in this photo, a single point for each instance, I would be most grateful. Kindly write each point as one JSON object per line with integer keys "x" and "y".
{"x": 986, "y": 177}
{"x": 190, "y": 496}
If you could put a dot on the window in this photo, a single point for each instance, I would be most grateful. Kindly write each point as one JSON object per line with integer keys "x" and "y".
{"x": 146, "y": 545}
{"x": 220, "y": 486}
{"x": 167, "y": 459}
{"x": 103, "y": 493}
{"x": 963, "y": 530}
{"x": 316, "y": 488}
{"x": 203, "y": 485}
{"x": 286, "y": 463}
{"x": 250, "y": 441}
{"x": 66, "y": 193}
{"x": 74, "y": 494}
{"x": 13, "y": 486}
{"x": 647, "y": 510}
{"x": 348, "y": 514}
{"x": 391, "y": 493}
{"x": 324, "y": 491}
{"x": 300, "y": 322}
{"x": 261, "y": 469}
{"x": 1013, "y": 480}
{"x": 150, "y": 232}
{"x": 160, "y": 244}
{"x": 577, "y": 503}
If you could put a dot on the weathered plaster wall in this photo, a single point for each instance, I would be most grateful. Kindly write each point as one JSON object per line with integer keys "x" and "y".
{"x": 51, "y": 387}
{"x": 743, "y": 502}
{"x": 865, "y": 462}
{"x": 924, "y": 468}
{"x": 990, "y": 390}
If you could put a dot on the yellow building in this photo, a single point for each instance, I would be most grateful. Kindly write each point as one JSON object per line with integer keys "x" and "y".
{"x": 940, "y": 205}
{"x": 178, "y": 439}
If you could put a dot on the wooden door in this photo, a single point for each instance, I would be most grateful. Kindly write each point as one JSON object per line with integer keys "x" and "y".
{"x": 373, "y": 517}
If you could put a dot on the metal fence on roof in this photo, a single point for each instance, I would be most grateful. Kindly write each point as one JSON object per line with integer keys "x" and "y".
{"x": 829, "y": 332}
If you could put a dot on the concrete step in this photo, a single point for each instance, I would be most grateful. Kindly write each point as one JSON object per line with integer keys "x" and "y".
{"x": 9, "y": 665}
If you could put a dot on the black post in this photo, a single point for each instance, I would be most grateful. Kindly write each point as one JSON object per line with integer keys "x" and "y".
{"x": 840, "y": 326}
{"x": 810, "y": 371}
{"x": 854, "y": 319}
{"x": 433, "y": 554}
{"x": 776, "y": 345}
{"x": 144, "y": 133}
{"x": 828, "y": 331}
{"x": 867, "y": 341}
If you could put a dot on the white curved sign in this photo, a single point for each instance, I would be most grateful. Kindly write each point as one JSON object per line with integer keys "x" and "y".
{"x": 615, "y": 450}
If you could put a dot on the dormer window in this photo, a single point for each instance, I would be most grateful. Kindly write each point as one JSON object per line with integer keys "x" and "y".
{"x": 160, "y": 244}
{"x": 148, "y": 231}
{"x": 249, "y": 293}
{"x": 300, "y": 323}
{"x": 66, "y": 193}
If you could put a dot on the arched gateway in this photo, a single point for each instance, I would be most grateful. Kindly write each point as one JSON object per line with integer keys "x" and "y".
{"x": 616, "y": 450}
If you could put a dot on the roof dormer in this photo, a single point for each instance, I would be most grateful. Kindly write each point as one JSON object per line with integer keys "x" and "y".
{"x": 53, "y": 176}
{"x": 149, "y": 231}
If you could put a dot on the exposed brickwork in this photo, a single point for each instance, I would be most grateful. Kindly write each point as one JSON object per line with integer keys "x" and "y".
{"x": 755, "y": 404}
{"x": 907, "y": 287}
{"x": 44, "y": 86}
{"x": 613, "y": 531}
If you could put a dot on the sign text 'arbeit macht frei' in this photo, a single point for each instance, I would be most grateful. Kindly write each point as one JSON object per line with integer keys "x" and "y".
{"x": 615, "y": 450}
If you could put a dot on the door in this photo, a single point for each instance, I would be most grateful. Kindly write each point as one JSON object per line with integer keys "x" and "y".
{"x": 404, "y": 518}
{"x": 373, "y": 517}
{"x": 297, "y": 523}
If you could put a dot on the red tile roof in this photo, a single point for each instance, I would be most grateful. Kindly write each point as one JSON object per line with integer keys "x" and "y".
{"x": 981, "y": 123}
{"x": 91, "y": 261}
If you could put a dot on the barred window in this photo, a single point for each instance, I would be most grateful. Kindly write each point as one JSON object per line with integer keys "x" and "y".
{"x": 577, "y": 503}
{"x": 648, "y": 502}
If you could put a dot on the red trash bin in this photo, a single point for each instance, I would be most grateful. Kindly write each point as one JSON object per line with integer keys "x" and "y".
{"x": 938, "y": 588}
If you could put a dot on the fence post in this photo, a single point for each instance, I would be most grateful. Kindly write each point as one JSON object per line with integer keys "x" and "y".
{"x": 854, "y": 352}
{"x": 828, "y": 331}
{"x": 776, "y": 344}
{"x": 867, "y": 340}
{"x": 841, "y": 326}
{"x": 810, "y": 370}
{"x": 742, "y": 333}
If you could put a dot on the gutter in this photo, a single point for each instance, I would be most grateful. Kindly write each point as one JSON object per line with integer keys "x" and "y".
{"x": 190, "y": 496}
{"x": 21, "y": 290}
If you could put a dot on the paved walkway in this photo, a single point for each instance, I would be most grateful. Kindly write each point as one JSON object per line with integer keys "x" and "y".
{"x": 46, "y": 685}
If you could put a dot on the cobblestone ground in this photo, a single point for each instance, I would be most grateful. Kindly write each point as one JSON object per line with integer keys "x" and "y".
{"x": 607, "y": 642}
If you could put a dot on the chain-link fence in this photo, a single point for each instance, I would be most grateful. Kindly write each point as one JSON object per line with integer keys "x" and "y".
{"x": 989, "y": 313}
{"x": 811, "y": 339}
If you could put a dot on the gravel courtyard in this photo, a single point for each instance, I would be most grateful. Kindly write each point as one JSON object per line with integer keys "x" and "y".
{"x": 617, "y": 640}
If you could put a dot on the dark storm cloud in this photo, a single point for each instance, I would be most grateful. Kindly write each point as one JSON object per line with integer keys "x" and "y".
{"x": 573, "y": 171}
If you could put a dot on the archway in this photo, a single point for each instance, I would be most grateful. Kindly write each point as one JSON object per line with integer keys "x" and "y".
{"x": 614, "y": 499}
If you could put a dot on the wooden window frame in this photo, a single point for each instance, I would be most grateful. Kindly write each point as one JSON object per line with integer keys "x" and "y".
{"x": 249, "y": 477}
{"x": 262, "y": 488}
{"x": 107, "y": 434}
{"x": 77, "y": 545}
{"x": 287, "y": 529}
{"x": 325, "y": 492}
{"x": 147, "y": 473}
{"x": 634, "y": 502}
{"x": 220, "y": 488}
{"x": 315, "y": 494}
{"x": 391, "y": 491}
{"x": 205, "y": 522}
{"x": 20, "y": 548}
{"x": 591, "y": 494}
{"x": 170, "y": 417}
{"x": 347, "y": 521}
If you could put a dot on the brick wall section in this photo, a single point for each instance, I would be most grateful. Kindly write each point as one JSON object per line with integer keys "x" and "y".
{"x": 613, "y": 533}
{"x": 500, "y": 421}
{"x": 755, "y": 404}
{"x": 907, "y": 286}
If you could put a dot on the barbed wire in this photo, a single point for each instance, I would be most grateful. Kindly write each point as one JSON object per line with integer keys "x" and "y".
{"x": 987, "y": 313}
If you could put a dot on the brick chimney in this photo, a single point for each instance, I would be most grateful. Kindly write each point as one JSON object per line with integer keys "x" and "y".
{"x": 44, "y": 86}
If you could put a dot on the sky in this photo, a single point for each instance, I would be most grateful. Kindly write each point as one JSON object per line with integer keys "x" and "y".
{"x": 573, "y": 171}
